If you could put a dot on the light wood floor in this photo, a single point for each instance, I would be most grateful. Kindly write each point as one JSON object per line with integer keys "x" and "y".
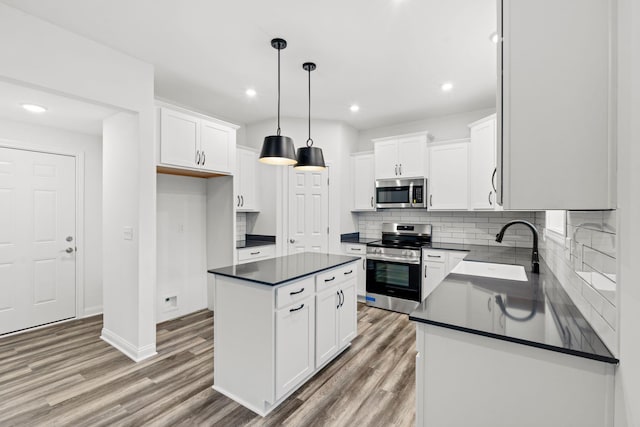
{"x": 65, "y": 375}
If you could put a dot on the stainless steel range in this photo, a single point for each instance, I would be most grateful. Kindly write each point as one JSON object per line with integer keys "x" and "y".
{"x": 394, "y": 280}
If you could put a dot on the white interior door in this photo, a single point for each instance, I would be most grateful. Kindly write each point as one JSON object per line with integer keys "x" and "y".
{"x": 37, "y": 227}
{"x": 308, "y": 211}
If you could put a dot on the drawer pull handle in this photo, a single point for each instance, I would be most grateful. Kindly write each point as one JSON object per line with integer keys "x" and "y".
{"x": 297, "y": 292}
{"x": 255, "y": 253}
{"x": 329, "y": 280}
{"x": 348, "y": 272}
{"x": 296, "y": 309}
{"x": 434, "y": 256}
{"x": 356, "y": 249}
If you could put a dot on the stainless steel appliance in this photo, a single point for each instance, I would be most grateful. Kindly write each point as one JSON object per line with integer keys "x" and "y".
{"x": 401, "y": 193}
{"x": 394, "y": 280}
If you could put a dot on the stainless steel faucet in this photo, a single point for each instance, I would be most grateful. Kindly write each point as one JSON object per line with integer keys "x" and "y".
{"x": 535, "y": 261}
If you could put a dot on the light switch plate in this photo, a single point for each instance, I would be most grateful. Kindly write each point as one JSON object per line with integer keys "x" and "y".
{"x": 128, "y": 233}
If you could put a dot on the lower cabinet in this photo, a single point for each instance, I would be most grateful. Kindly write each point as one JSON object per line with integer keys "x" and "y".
{"x": 436, "y": 265}
{"x": 358, "y": 249}
{"x": 336, "y": 320}
{"x": 295, "y": 327}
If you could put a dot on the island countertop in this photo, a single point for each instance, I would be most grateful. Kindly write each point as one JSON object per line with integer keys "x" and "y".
{"x": 537, "y": 312}
{"x": 275, "y": 271}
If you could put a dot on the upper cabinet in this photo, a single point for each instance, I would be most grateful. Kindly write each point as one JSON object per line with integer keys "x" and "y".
{"x": 401, "y": 156}
{"x": 555, "y": 142}
{"x": 482, "y": 165}
{"x": 192, "y": 144}
{"x": 364, "y": 196}
{"x": 448, "y": 175}
{"x": 245, "y": 180}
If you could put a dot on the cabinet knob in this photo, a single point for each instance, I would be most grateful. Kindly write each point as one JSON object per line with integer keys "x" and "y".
{"x": 69, "y": 250}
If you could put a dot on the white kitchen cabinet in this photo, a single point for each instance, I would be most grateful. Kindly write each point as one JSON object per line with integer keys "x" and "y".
{"x": 556, "y": 145}
{"x": 360, "y": 250}
{"x": 364, "y": 182}
{"x": 448, "y": 176}
{"x": 295, "y": 333}
{"x": 195, "y": 144}
{"x": 453, "y": 258}
{"x": 245, "y": 180}
{"x": 432, "y": 274}
{"x": 403, "y": 156}
{"x": 336, "y": 318}
{"x": 482, "y": 165}
{"x": 255, "y": 253}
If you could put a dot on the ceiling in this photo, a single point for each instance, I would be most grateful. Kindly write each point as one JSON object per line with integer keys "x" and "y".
{"x": 62, "y": 112}
{"x": 388, "y": 56}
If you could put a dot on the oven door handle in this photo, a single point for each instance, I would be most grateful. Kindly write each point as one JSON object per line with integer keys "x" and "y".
{"x": 401, "y": 260}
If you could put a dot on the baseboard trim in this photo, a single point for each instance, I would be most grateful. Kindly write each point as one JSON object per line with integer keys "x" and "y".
{"x": 125, "y": 347}
{"x": 92, "y": 311}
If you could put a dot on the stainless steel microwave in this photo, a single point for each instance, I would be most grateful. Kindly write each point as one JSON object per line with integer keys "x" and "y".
{"x": 401, "y": 193}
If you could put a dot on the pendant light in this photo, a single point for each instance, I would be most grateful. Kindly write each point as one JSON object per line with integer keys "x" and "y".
{"x": 310, "y": 158}
{"x": 278, "y": 149}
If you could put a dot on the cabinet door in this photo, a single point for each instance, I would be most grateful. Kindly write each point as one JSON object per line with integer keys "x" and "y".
{"x": 386, "y": 159}
{"x": 246, "y": 175}
{"x": 216, "y": 147}
{"x": 482, "y": 161}
{"x": 364, "y": 183}
{"x": 326, "y": 325}
{"x": 480, "y": 308}
{"x": 432, "y": 274}
{"x": 412, "y": 157}
{"x": 179, "y": 136}
{"x": 347, "y": 313}
{"x": 448, "y": 177}
{"x": 295, "y": 327}
{"x": 453, "y": 259}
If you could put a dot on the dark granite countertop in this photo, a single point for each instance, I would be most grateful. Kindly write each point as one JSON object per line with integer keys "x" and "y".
{"x": 276, "y": 271}
{"x": 355, "y": 238}
{"x": 253, "y": 240}
{"x": 537, "y": 312}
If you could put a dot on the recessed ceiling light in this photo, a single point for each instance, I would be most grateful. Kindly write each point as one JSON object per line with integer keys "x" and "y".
{"x": 494, "y": 37}
{"x": 33, "y": 108}
{"x": 250, "y": 93}
{"x": 446, "y": 87}
{"x": 354, "y": 108}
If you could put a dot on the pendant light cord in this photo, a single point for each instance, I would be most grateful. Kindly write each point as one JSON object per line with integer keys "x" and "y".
{"x": 278, "y": 131}
{"x": 309, "y": 140}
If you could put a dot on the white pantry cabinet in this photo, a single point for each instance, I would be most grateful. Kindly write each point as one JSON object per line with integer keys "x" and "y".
{"x": 364, "y": 182}
{"x": 403, "y": 156}
{"x": 448, "y": 175}
{"x": 190, "y": 142}
{"x": 245, "y": 180}
{"x": 556, "y": 148}
{"x": 482, "y": 164}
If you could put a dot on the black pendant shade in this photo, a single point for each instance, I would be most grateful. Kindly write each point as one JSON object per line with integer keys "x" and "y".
{"x": 278, "y": 149}
{"x": 310, "y": 158}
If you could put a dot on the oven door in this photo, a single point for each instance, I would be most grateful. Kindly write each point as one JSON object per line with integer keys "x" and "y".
{"x": 395, "y": 279}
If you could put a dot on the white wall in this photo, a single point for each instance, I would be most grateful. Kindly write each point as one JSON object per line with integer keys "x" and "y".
{"x": 36, "y": 53}
{"x": 337, "y": 141}
{"x": 441, "y": 128}
{"x": 28, "y": 135}
{"x": 182, "y": 248}
{"x": 628, "y": 374}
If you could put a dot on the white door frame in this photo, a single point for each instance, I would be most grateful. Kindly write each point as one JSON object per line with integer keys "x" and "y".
{"x": 285, "y": 209}
{"x": 79, "y": 193}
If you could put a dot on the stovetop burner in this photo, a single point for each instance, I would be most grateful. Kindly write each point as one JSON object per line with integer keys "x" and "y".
{"x": 404, "y": 236}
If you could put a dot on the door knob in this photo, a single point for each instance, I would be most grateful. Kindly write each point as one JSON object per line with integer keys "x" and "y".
{"x": 69, "y": 250}
{"x": 292, "y": 240}
{"x": 69, "y": 239}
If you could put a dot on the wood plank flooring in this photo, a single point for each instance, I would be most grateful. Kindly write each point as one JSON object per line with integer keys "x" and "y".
{"x": 64, "y": 375}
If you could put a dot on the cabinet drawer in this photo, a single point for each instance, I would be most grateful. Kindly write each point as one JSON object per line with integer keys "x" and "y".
{"x": 434, "y": 256}
{"x": 335, "y": 276}
{"x": 256, "y": 253}
{"x": 294, "y": 292}
{"x": 354, "y": 249}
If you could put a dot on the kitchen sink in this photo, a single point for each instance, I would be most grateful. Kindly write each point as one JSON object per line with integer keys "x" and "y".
{"x": 488, "y": 269}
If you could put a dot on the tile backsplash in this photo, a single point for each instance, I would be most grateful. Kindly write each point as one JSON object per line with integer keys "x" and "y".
{"x": 478, "y": 228}
{"x": 241, "y": 225}
{"x": 585, "y": 263}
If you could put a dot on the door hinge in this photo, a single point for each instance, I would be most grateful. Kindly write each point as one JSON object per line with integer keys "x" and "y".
{"x": 327, "y": 181}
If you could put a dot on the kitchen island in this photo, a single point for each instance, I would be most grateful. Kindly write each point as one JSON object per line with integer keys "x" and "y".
{"x": 279, "y": 321}
{"x": 498, "y": 352}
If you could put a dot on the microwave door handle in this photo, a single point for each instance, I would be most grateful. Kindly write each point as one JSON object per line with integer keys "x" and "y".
{"x": 411, "y": 194}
